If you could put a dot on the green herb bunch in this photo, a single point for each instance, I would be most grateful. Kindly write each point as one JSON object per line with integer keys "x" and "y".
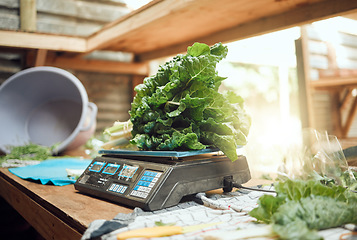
{"x": 29, "y": 151}
{"x": 180, "y": 108}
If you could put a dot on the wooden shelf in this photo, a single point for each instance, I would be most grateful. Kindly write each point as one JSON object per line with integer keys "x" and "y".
{"x": 167, "y": 27}
{"x": 334, "y": 83}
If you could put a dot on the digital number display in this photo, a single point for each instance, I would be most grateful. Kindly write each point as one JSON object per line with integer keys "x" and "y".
{"x": 111, "y": 168}
{"x": 128, "y": 171}
{"x": 97, "y": 166}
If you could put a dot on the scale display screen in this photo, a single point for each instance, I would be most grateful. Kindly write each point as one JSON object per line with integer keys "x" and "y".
{"x": 111, "y": 168}
{"x": 97, "y": 166}
{"x": 128, "y": 171}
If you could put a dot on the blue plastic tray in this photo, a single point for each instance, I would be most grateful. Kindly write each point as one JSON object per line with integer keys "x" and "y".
{"x": 177, "y": 154}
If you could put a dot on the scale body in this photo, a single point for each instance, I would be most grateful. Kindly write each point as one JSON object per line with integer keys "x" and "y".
{"x": 156, "y": 182}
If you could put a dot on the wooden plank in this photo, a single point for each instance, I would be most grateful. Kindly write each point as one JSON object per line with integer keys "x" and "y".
{"x": 99, "y": 65}
{"x": 45, "y": 223}
{"x": 336, "y": 115}
{"x": 28, "y": 15}
{"x": 301, "y": 14}
{"x": 303, "y": 71}
{"x": 333, "y": 82}
{"x": 351, "y": 115}
{"x": 102, "y": 11}
{"x": 136, "y": 81}
{"x": 73, "y": 209}
{"x": 42, "y": 41}
{"x": 40, "y": 57}
{"x": 346, "y": 98}
{"x": 167, "y": 23}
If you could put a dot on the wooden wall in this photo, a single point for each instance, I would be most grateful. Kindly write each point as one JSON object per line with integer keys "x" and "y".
{"x": 327, "y": 59}
{"x": 68, "y": 17}
{"x": 112, "y": 93}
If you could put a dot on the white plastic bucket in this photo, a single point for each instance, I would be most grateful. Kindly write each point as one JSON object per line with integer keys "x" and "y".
{"x": 43, "y": 105}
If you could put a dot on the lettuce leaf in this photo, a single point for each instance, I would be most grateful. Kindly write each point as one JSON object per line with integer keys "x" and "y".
{"x": 180, "y": 108}
{"x": 300, "y": 208}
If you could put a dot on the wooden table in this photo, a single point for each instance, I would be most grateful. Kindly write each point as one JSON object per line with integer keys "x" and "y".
{"x": 56, "y": 212}
{"x": 59, "y": 212}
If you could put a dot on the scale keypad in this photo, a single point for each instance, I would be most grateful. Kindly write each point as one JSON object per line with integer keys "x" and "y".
{"x": 118, "y": 188}
{"x": 145, "y": 184}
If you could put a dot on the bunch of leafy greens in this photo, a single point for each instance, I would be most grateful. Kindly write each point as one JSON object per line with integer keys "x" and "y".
{"x": 180, "y": 108}
{"x": 300, "y": 208}
{"x": 29, "y": 151}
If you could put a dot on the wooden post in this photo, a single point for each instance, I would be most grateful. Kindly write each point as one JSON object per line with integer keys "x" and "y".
{"x": 336, "y": 114}
{"x": 305, "y": 102}
{"x": 28, "y": 15}
{"x": 40, "y": 57}
{"x": 136, "y": 80}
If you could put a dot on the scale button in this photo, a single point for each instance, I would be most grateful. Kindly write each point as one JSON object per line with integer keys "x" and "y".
{"x": 111, "y": 187}
{"x": 155, "y": 180}
{"x": 123, "y": 189}
{"x": 151, "y": 185}
{"x": 119, "y": 188}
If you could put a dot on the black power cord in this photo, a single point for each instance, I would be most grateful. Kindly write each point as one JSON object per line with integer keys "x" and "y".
{"x": 228, "y": 184}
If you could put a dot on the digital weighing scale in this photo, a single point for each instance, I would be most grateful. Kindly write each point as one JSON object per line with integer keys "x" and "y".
{"x": 155, "y": 180}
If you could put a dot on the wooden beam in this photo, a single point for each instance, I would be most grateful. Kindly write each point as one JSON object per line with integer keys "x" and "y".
{"x": 136, "y": 80}
{"x": 303, "y": 72}
{"x": 336, "y": 115}
{"x": 332, "y": 82}
{"x": 40, "y": 57}
{"x": 297, "y": 16}
{"x": 346, "y": 98}
{"x": 28, "y": 15}
{"x": 131, "y": 22}
{"x": 42, "y": 41}
{"x": 351, "y": 115}
{"x": 99, "y": 65}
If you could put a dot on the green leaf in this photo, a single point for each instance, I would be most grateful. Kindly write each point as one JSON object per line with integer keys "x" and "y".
{"x": 198, "y": 49}
{"x": 311, "y": 213}
{"x": 268, "y": 205}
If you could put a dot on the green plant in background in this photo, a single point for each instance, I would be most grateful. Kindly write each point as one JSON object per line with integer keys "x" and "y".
{"x": 29, "y": 151}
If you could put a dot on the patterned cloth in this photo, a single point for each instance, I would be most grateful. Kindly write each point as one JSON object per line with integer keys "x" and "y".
{"x": 228, "y": 210}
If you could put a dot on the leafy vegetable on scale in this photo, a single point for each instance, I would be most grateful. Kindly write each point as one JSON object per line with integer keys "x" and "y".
{"x": 180, "y": 108}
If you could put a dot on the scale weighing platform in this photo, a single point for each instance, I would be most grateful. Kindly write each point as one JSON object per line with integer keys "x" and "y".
{"x": 155, "y": 180}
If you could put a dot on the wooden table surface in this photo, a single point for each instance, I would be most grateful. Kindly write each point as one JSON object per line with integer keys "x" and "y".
{"x": 56, "y": 212}
{"x": 60, "y": 212}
